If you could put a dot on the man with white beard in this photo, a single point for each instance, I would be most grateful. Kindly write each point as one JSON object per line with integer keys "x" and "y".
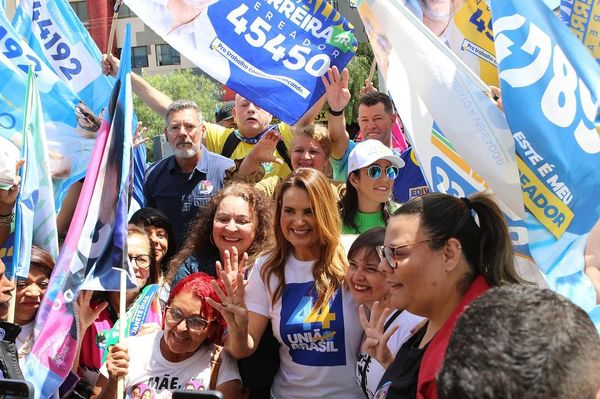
{"x": 181, "y": 184}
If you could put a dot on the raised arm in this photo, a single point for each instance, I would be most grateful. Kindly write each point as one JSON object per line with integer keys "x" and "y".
{"x": 154, "y": 98}
{"x": 310, "y": 115}
{"x": 338, "y": 97}
{"x": 244, "y": 329}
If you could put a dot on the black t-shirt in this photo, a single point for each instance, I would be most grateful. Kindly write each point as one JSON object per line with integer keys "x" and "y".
{"x": 400, "y": 379}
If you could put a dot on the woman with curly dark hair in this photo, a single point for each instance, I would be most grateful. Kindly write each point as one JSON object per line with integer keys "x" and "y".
{"x": 237, "y": 220}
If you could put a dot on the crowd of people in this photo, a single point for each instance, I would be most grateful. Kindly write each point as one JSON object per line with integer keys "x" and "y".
{"x": 246, "y": 284}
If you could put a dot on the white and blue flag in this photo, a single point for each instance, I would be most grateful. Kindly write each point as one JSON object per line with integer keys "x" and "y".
{"x": 70, "y": 135}
{"x": 550, "y": 88}
{"x": 57, "y": 36}
{"x": 272, "y": 53}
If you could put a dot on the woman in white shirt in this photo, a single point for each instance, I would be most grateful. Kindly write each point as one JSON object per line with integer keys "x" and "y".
{"x": 368, "y": 285}
{"x": 178, "y": 355}
{"x": 299, "y": 288}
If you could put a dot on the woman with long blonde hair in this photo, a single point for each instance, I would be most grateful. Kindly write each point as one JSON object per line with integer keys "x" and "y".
{"x": 299, "y": 288}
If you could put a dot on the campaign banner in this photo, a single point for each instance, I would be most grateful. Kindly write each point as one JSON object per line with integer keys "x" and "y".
{"x": 272, "y": 53}
{"x": 58, "y": 37}
{"x": 70, "y": 135}
{"x": 583, "y": 18}
{"x": 35, "y": 218}
{"x": 466, "y": 28}
{"x": 54, "y": 32}
{"x": 428, "y": 83}
{"x": 95, "y": 249}
{"x": 547, "y": 71}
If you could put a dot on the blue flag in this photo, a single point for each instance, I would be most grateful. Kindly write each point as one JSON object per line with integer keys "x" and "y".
{"x": 55, "y": 33}
{"x": 550, "y": 88}
{"x": 273, "y": 54}
{"x": 95, "y": 249}
{"x": 70, "y": 136}
{"x": 58, "y": 37}
{"x": 35, "y": 221}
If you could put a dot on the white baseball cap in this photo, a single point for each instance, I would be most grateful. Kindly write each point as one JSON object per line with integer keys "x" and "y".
{"x": 370, "y": 151}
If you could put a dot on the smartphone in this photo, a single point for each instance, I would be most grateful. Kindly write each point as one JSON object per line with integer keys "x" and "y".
{"x": 15, "y": 389}
{"x": 196, "y": 395}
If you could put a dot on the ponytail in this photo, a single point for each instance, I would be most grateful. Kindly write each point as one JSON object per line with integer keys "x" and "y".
{"x": 496, "y": 255}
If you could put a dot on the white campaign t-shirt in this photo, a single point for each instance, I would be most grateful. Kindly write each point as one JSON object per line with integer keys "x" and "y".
{"x": 368, "y": 370}
{"x": 151, "y": 376}
{"x": 317, "y": 352}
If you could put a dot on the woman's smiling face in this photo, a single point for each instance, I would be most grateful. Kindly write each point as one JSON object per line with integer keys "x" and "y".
{"x": 366, "y": 282}
{"x": 233, "y": 225}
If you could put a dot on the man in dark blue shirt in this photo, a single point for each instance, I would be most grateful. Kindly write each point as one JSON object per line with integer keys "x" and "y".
{"x": 181, "y": 184}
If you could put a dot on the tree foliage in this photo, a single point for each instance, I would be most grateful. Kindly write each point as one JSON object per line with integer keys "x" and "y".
{"x": 181, "y": 84}
{"x": 359, "y": 68}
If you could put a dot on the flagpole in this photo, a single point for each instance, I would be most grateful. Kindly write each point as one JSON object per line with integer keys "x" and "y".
{"x": 122, "y": 323}
{"x": 372, "y": 71}
{"x": 10, "y": 7}
{"x": 13, "y": 302}
{"x": 113, "y": 27}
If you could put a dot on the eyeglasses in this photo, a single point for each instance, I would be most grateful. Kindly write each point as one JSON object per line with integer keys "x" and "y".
{"x": 390, "y": 254}
{"x": 376, "y": 171}
{"x": 142, "y": 261}
{"x": 193, "y": 323}
{"x": 177, "y": 128}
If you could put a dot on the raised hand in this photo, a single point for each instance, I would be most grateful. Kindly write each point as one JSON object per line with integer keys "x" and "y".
{"x": 232, "y": 306}
{"x": 138, "y": 137}
{"x": 110, "y": 65}
{"x": 496, "y": 97}
{"x": 232, "y": 266}
{"x": 265, "y": 147}
{"x": 336, "y": 88}
{"x": 376, "y": 338}
{"x": 367, "y": 88}
{"x": 86, "y": 312}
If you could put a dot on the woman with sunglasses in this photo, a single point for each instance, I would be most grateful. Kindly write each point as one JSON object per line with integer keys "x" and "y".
{"x": 441, "y": 252}
{"x": 372, "y": 169}
{"x": 143, "y": 307}
{"x": 178, "y": 355}
{"x": 299, "y": 287}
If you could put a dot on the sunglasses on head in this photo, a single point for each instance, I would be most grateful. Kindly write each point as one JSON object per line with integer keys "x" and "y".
{"x": 376, "y": 171}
